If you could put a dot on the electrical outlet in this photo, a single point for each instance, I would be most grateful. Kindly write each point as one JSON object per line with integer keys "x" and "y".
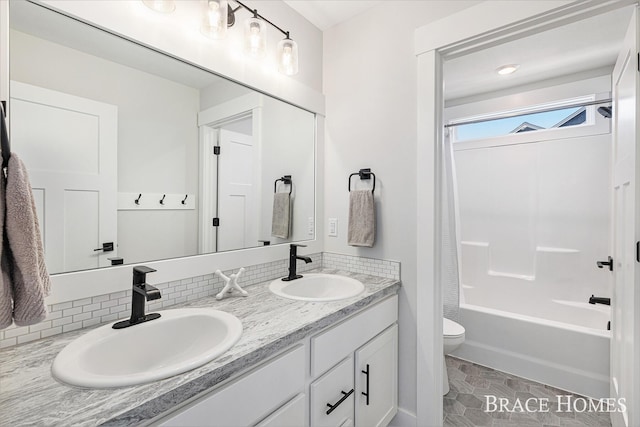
{"x": 310, "y": 226}
{"x": 333, "y": 227}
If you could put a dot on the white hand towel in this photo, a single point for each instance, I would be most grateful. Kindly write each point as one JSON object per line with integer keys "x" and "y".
{"x": 6, "y": 292}
{"x": 30, "y": 280}
{"x": 281, "y": 214}
{"x": 362, "y": 219}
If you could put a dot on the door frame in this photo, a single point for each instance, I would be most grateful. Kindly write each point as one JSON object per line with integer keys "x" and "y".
{"x": 434, "y": 43}
{"x": 210, "y": 121}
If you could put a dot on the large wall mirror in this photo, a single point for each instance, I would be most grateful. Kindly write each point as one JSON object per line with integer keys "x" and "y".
{"x": 136, "y": 156}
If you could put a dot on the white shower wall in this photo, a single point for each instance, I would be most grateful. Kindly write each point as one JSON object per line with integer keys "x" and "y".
{"x": 537, "y": 212}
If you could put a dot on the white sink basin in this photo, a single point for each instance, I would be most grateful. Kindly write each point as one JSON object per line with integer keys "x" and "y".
{"x": 317, "y": 287}
{"x": 180, "y": 340}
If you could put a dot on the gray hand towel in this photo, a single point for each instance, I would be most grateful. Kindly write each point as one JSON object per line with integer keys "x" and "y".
{"x": 281, "y": 214}
{"x": 6, "y": 293}
{"x": 362, "y": 219}
{"x": 30, "y": 280}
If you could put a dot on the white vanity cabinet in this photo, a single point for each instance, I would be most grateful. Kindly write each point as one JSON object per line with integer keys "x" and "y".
{"x": 367, "y": 378}
{"x": 345, "y": 375}
{"x": 250, "y": 398}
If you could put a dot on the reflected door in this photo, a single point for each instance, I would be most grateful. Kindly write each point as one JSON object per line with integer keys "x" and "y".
{"x": 625, "y": 301}
{"x": 236, "y": 191}
{"x": 69, "y": 145}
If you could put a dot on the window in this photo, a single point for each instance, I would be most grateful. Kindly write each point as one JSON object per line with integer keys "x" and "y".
{"x": 550, "y": 116}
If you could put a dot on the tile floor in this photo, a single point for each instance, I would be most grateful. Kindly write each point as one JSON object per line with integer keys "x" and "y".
{"x": 467, "y": 404}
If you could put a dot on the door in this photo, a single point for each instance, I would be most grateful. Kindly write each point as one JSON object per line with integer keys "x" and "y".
{"x": 69, "y": 145}
{"x": 377, "y": 380}
{"x": 236, "y": 191}
{"x": 625, "y": 322}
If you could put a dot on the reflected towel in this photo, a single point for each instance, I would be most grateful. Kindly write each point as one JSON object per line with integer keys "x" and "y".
{"x": 362, "y": 219}
{"x": 281, "y": 215}
{"x": 6, "y": 293}
{"x": 30, "y": 280}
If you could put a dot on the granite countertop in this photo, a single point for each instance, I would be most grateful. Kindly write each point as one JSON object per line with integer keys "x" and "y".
{"x": 29, "y": 395}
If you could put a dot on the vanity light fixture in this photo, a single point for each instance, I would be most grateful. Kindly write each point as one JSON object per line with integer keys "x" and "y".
{"x": 218, "y": 15}
{"x": 288, "y": 56}
{"x": 215, "y": 17}
{"x": 162, "y": 6}
{"x": 507, "y": 69}
{"x": 255, "y": 36}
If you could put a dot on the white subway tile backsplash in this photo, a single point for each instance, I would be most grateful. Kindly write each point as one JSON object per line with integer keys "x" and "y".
{"x": 72, "y": 311}
{"x": 87, "y": 312}
{"x": 28, "y": 337}
{"x": 81, "y": 302}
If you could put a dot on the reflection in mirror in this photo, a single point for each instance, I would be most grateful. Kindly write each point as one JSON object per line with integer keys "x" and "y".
{"x": 137, "y": 156}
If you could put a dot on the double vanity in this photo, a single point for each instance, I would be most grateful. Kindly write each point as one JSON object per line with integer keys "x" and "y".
{"x": 298, "y": 354}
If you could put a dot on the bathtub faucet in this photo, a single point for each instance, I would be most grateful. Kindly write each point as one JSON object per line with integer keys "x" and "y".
{"x": 599, "y": 300}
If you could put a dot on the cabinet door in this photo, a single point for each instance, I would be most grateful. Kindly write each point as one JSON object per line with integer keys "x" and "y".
{"x": 334, "y": 388}
{"x": 291, "y": 414}
{"x": 377, "y": 380}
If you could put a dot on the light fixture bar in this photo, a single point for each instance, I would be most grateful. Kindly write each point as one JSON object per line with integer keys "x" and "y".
{"x": 257, "y": 15}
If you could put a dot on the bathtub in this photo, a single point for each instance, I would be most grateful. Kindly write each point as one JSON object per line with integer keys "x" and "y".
{"x": 567, "y": 349}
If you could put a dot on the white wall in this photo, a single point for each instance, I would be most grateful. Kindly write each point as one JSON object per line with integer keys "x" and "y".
{"x": 370, "y": 88}
{"x": 287, "y": 149}
{"x": 161, "y": 158}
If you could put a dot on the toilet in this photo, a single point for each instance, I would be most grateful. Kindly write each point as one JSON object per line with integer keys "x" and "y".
{"x": 453, "y": 337}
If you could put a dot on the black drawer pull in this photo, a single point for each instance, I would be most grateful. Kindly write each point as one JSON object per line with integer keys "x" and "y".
{"x": 342, "y": 399}
{"x": 367, "y": 384}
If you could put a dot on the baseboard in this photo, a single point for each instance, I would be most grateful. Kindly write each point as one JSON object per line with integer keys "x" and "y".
{"x": 403, "y": 418}
{"x": 559, "y": 376}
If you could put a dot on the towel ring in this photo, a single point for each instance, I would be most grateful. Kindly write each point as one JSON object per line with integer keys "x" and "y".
{"x": 285, "y": 180}
{"x": 364, "y": 174}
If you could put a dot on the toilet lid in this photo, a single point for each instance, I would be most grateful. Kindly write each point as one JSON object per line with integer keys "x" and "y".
{"x": 451, "y": 328}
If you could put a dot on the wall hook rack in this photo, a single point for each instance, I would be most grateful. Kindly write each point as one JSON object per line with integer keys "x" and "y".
{"x": 138, "y": 199}
{"x": 364, "y": 174}
{"x": 162, "y": 200}
{"x": 286, "y": 180}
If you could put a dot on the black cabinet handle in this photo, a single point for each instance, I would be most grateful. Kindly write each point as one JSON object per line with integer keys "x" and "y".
{"x": 367, "y": 384}
{"x": 344, "y": 397}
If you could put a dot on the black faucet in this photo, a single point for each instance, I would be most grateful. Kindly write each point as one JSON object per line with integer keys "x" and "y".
{"x": 599, "y": 300}
{"x": 140, "y": 294}
{"x": 293, "y": 257}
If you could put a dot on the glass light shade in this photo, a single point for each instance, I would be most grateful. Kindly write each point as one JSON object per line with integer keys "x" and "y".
{"x": 214, "y": 18}
{"x": 288, "y": 57}
{"x": 255, "y": 37}
{"x": 162, "y": 6}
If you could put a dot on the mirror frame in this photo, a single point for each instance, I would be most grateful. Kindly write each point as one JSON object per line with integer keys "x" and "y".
{"x": 116, "y": 17}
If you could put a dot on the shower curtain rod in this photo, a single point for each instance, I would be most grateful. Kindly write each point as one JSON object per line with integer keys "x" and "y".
{"x": 516, "y": 114}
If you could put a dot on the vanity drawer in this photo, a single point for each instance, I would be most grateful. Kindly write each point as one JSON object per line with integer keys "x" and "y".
{"x": 333, "y": 388}
{"x": 329, "y": 347}
{"x": 249, "y": 398}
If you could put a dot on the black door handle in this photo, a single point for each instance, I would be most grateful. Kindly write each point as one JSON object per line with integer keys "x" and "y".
{"x": 609, "y": 262}
{"x": 107, "y": 247}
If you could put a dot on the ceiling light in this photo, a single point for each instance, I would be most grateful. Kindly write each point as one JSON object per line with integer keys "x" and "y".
{"x": 162, "y": 6}
{"x": 507, "y": 69}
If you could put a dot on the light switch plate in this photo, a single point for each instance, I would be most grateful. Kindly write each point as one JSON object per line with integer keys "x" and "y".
{"x": 333, "y": 227}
